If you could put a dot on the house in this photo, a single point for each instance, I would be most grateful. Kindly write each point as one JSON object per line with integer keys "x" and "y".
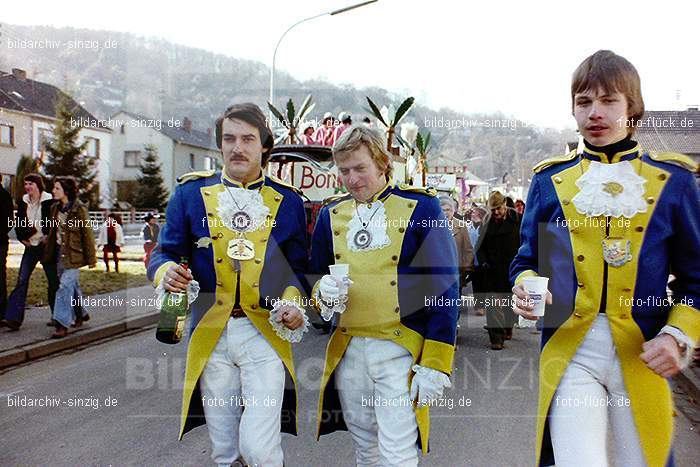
{"x": 27, "y": 117}
{"x": 179, "y": 146}
{"x": 671, "y": 131}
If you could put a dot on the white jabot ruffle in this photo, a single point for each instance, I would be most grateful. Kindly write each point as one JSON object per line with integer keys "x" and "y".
{"x": 376, "y": 226}
{"x": 250, "y": 201}
{"x": 593, "y": 199}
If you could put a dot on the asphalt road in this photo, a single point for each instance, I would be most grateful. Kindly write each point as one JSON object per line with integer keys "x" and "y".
{"x": 118, "y": 403}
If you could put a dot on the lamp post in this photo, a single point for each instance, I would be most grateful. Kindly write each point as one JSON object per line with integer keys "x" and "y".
{"x": 274, "y": 54}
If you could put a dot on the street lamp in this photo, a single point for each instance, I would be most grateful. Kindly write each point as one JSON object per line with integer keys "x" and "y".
{"x": 329, "y": 13}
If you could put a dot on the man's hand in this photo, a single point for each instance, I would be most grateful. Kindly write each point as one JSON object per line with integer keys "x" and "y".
{"x": 176, "y": 279}
{"x": 290, "y": 317}
{"x": 523, "y": 306}
{"x": 662, "y": 355}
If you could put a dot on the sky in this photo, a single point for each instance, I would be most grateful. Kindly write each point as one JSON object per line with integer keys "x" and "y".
{"x": 509, "y": 56}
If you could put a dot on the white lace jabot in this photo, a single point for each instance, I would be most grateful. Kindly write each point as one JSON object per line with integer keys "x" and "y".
{"x": 610, "y": 190}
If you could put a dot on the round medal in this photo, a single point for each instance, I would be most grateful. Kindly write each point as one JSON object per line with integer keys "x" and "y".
{"x": 362, "y": 239}
{"x": 240, "y": 221}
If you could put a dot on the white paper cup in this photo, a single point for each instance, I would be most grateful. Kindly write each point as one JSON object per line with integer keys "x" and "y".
{"x": 340, "y": 272}
{"x": 536, "y": 288}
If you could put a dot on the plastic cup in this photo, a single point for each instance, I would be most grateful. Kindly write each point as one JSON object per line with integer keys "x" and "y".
{"x": 536, "y": 288}
{"x": 339, "y": 272}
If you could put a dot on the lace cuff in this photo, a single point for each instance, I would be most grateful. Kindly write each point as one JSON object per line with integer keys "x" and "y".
{"x": 434, "y": 376}
{"x": 336, "y": 305}
{"x": 291, "y": 335}
{"x": 682, "y": 339}
{"x": 192, "y": 291}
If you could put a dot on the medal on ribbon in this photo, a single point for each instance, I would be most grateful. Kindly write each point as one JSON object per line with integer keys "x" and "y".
{"x": 362, "y": 239}
{"x": 617, "y": 252}
{"x": 240, "y": 249}
{"x": 240, "y": 221}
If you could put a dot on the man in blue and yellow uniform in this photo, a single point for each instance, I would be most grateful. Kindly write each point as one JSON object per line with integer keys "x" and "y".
{"x": 395, "y": 313}
{"x": 608, "y": 224}
{"x": 244, "y": 235}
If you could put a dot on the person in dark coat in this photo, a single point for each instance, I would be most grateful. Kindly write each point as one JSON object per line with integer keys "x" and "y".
{"x": 6, "y": 224}
{"x": 498, "y": 244}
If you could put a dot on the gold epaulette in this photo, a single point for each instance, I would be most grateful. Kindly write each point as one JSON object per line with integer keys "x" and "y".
{"x": 291, "y": 187}
{"x": 430, "y": 191}
{"x": 540, "y": 166}
{"x": 680, "y": 160}
{"x": 337, "y": 197}
{"x": 194, "y": 176}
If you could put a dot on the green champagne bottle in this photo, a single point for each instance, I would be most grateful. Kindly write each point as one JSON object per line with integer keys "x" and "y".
{"x": 173, "y": 312}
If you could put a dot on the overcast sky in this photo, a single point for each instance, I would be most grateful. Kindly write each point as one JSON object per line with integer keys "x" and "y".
{"x": 510, "y": 56}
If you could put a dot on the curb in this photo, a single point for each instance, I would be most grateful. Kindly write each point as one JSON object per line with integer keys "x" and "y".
{"x": 31, "y": 352}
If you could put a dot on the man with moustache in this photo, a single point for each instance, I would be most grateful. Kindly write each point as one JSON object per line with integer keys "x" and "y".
{"x": 607, "y": 224}
{"x": 390, "y": 355}
{"x": 245, "y": 237}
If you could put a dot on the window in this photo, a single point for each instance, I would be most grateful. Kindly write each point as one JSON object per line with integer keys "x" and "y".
{"x": 7, "y": 134}
{"x": 191, "y": 161}
{"x": 45, "y": 137}
{"x": 93, "y": 147}
{"x": 132, "y": 158}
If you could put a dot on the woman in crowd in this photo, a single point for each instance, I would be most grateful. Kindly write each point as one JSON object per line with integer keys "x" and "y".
{"x": 111, "y": 239}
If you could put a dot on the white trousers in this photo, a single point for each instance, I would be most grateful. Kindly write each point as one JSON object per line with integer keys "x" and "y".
{"x": 590, "y": 396}
{"x": 244, "y": 371}
{"x": 372, "y": 382}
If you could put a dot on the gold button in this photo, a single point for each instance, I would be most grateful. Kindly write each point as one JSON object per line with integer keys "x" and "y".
{"x": 220, "y": 284}
{"x": 335, "y": 211}
{"x": 258, "y": 261}
{"x": 343, "y": 330}
{"x": 220, "y": 234}
{"x": 410, "y": 205}
{"x": 580, "y": 257}
{"x": 337, "y": 256}
{"x": 263, "y": 240}
{"x": 254, "y": 306}
{"x": 639, "y": 229}
{"x": 392, "y": 282}
{"x": 218, "y": 260}
{"x": 397, "y": 333}
{"x": 394, "y": 258}
{"x": 662, "y": 177}
{"x": 210, "y": 214}
{"x": 369, "y": 205}
{"x": 581, "y": 284}
{"x": 255, "y": 284}
{"x": 396, "y": 309}
{"x": 402, "y": 230}
{"x": 574, "y": 230}
{"x": 650, "y": 200}
{"x": 336, "y": 233}
{"x": 219, "y": 302}
{"x": 578, "y": 315}
{"x": 626, "y": 289}
{"x": 277, "y": 198}
{"x": 623, "y": 316}
{"x": 207, "y": 193}
{"x": 557, "y": 180}
{"x": 565, "y": 202}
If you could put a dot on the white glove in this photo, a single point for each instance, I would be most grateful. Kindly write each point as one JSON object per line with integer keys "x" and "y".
{"x": 328, "y": 288}
{"x": 428, "y": 384}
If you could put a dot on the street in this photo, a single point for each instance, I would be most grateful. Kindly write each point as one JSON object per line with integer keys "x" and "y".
{"x": 118, "y": 403}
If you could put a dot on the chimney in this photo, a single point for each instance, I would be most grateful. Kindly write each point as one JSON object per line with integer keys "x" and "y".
{"x": 187, "y": 124}
{"x": 19, "y": 74}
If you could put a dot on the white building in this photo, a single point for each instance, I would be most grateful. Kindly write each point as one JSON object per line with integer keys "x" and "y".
{"x": 180, "y": 149}
{"x": 27, "y": 118}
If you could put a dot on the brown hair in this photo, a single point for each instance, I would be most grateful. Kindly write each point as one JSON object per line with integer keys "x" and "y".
{"x": 36, "y": 179}
{"x": 69, "y": 185}
{"x": 252, "y": 115}
{"x": 354, "y": 137}
{"x": 611, "y": 73}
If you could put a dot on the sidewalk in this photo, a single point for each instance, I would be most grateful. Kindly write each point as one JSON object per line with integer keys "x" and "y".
{"x": 110, "y": 314}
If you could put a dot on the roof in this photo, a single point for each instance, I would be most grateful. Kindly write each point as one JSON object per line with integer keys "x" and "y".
{"x": 196, "y": 138}
{"x": 670, "y": 131}
{"x": 35, "y": 97}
